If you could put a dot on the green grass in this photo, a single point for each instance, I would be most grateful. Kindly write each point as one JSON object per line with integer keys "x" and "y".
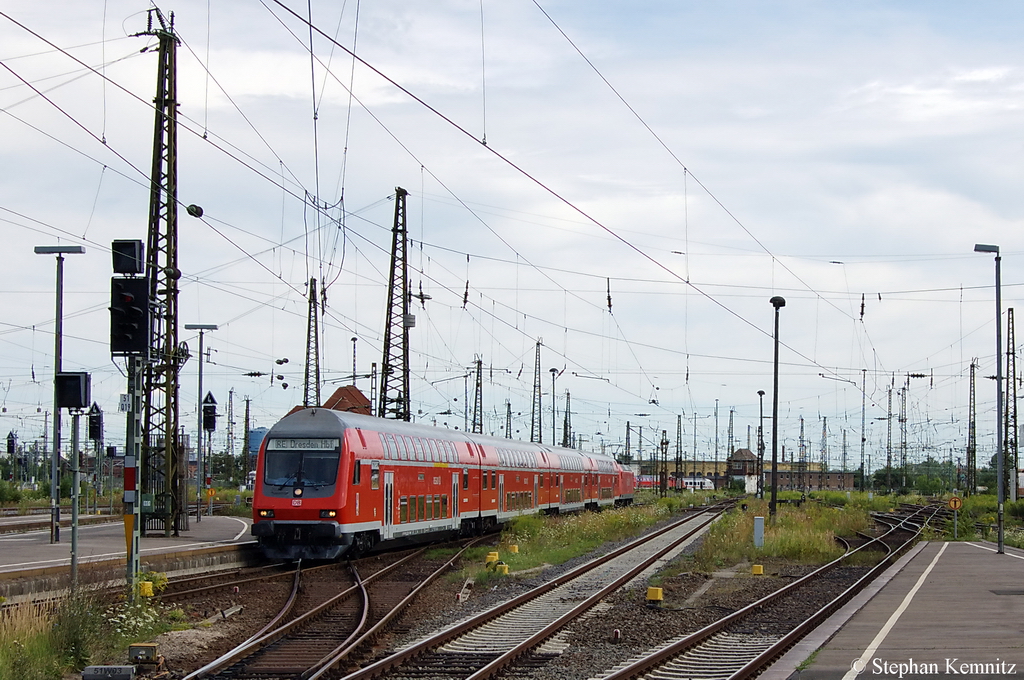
{"x": 805, "y": 534}
{"x": 39, "y": 643}
{"x": 554, "y": 540}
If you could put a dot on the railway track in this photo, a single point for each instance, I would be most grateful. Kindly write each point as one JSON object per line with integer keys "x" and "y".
{"x": 484, "y": 645}
{"x": 744, "y": 643}
{"x": 330, "y": 631}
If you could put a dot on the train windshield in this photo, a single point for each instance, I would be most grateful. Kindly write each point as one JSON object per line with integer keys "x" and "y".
{"x": 301, "y": 462}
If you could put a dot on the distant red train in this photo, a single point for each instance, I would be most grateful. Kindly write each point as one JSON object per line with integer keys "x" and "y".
{"x": 328, "y": 482}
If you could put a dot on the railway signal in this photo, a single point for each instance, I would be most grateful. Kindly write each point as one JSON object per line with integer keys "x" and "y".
{"x": 129, "y": 316}
{"x": 209, "y": 412}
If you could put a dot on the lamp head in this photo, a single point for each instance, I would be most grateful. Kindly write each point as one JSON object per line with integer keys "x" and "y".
{"x": 778, "y": 301}
{"x": 59, "y": 250}
{"x": 983, "y": 248}
{"x": 760, "y": 393}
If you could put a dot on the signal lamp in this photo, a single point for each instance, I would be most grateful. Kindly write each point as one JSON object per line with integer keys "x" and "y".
{"x": 328, "y": 513}
{"x": 297, "y": 491}
{"x": 265, "y": 513}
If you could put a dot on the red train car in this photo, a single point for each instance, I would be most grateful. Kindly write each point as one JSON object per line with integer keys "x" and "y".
{"x": 329, "y": 481}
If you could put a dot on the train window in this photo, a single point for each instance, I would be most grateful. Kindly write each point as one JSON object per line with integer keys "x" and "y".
{"x": 356, "y": 472}
{"x": 403, "y": 509}
{"x": 484, "y": 476}
{"x": 417, "y": 446}
{"x": 444, "y": 505}
{"x": 433, "y": 450}
{"x": 494, "y": 479}
{"x": 465, "y": 478}
{"x": 423, "y": 508}
{"x": 541, "y": 481}
{"x": 384, "y": 445}
{"x": 392, "y": 446}
{"x": 452, "y": 451}
{"x": 437, "y": 506}
{"x": 375, "y": 477}
{"x": 301, "y": 467}
{"x": 400, "y": 445}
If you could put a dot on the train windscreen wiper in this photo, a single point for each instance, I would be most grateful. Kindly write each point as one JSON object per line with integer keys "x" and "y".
{"x": 290, "y": 479}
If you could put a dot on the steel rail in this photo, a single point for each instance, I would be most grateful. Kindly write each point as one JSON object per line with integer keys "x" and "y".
{"x": 332, "y": 659}
{"x": 677, "y": 648}
{"x": 754, "y": 667}
{"x": 256, "y": 643}
{"x": 402, "y": 656}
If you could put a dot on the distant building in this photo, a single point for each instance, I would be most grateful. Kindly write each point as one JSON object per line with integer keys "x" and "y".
{"x": 740, "y": 466}
{"x": 810, "y": 480}
{"x": 256, "y": 436}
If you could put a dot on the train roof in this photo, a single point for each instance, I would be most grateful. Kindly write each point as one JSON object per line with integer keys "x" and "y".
{"x": 363, "y": 422}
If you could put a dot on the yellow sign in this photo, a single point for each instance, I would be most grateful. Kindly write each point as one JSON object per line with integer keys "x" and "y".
{"x": 955, "y": 503}
{"x": 210, "y": 493}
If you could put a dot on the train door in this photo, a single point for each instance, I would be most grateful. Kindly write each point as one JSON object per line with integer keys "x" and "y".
{"x": 456, "y": 522}
{"x": 389, "y": 505}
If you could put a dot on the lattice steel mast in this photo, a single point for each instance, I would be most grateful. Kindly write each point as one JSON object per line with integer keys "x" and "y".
{"x": 679, "y": 449}
{"x": 311, "y": 378}
{"x": 888, "y": 444}
{"x": 972, "y": 438}
{"x": 567, "y": 423}
{"x": 1010, "y": 436}
{"x": 824, "y": 453}
{"x": 162, "y": 453}
{"x": 535, "y": 416}
{"x": 478, "y": 397}
{"x": 903, "y": 436}
{"x": 394, "y": 372}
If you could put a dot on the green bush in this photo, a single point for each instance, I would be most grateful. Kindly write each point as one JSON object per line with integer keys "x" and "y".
{"x": 1015, "y": 509}
{"x": 9, "y": 493}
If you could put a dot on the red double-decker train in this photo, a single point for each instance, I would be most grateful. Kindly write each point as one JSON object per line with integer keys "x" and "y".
{"x": 328, "y": 482}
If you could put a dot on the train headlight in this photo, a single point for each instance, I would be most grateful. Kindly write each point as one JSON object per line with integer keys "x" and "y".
{"x": 265, "y": 513}
{"x": 328, "y": 513}
{"x": 297, "y": 491}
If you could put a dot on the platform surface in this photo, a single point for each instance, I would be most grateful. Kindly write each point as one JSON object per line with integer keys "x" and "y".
{"x": 955, "y": 609}
{"x": 96, "y": 542}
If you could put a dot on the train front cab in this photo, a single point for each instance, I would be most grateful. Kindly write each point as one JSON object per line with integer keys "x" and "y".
{"x": 300, "y": 489}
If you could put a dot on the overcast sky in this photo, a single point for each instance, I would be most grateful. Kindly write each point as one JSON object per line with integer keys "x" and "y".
{"x": 694, "y": 159}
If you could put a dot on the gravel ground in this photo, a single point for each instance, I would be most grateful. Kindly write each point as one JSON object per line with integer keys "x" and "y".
{"x": 590, "y": 649}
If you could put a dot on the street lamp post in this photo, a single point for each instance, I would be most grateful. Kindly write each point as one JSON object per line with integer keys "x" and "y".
{"x": 60, "y": 252}
{"x": 202, "y": 328}
{"x": 777, "y": 302}
{"x": 760, "y": 448}
{"x": 1000, "y": 481}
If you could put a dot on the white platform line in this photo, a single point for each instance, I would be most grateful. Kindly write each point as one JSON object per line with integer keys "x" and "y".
{"x": 858, "y": 665}
{"x": 985, "y": 547}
